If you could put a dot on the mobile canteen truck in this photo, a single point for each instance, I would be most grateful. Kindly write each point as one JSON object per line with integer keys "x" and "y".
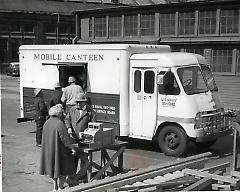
{"x": 143, "y": 91}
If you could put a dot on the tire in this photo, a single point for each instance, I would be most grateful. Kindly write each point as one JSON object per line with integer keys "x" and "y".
{"x": 205, "y": 145}
{"x": 172, "y": 141}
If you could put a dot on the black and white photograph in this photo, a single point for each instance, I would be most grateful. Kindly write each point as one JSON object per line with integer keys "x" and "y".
{"x": 119, "y": 95}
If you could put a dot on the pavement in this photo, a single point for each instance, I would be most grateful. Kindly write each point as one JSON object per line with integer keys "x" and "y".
{"x": 20, "y": 156}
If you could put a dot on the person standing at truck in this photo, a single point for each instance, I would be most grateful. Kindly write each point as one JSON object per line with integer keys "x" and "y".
{"x": 57, "y": 155}
{"x": 70, "y": 93}
{"x": 40, "y": 114}
{"x": 77, "y": 121}
{"x": 56, "y": 95}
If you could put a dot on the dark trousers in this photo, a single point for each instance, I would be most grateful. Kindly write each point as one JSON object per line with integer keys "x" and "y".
{"x": 74, "y": 179}
{"x": 39, "y": 128}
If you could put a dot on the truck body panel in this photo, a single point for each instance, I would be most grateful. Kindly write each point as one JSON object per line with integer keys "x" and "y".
{"x": 137, "y": 89}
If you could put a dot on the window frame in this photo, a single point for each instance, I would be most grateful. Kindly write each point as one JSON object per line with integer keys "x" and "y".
{"x": 152, "y": 24}
{"x": 220, "y": 23}
{"x": 216, "y": 22}
{"x": 136, "y": 23}
{"x": 103, "y": 28}
{"x": 232, "y": 72}
{"x": 194, "y": 24}
{"x": 120, "y": 25}
{"x": 174, "y": 14}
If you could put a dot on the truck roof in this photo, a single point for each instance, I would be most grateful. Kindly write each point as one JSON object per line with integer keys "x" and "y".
{"x": 94, "y": 47}
{"x": 172, "y": 59}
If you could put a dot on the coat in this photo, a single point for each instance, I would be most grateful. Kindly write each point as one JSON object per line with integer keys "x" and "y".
{"x": 56, "y": 157}
{"x": 79, "y": 123}
{"x": 55, "y": 98}
{"x": 40, "y": 108}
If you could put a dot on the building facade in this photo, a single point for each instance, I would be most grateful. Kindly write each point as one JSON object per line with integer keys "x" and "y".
{"x": 209, "y": 28}
{"x": 38, "y": 22}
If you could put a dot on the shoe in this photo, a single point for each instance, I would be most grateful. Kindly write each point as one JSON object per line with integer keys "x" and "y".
{"x": 38, "y": 145}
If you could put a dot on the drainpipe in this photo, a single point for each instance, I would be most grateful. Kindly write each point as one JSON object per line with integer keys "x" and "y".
{"x": 77, "y": 29}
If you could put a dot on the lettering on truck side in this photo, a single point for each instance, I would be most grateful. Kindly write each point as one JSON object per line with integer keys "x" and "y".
{"x": 68, "y": 57}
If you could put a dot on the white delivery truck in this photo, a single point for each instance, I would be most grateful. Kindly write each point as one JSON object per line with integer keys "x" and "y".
{"x": 143, "y": 91}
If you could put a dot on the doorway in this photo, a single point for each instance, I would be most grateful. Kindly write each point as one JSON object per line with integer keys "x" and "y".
{"x": 78, "y": 71}
{"x": 143, "y": 101}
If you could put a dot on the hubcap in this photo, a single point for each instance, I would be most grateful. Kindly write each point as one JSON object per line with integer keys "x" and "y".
{"x": 172, "y": 140}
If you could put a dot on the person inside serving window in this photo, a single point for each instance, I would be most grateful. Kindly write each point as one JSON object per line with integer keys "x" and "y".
{"x": 70, "y": 93}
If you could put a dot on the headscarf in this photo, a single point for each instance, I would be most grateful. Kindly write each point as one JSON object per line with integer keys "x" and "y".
{"x": 55, "y": 110}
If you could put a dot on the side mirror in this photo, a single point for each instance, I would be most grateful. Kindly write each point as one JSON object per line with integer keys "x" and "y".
{"x": 160, "y": 79}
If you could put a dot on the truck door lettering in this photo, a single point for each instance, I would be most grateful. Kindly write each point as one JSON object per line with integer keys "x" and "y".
{"x": 168, "y": 102}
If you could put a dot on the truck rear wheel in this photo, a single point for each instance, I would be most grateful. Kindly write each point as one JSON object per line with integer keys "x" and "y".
{"x": 172, "y": 141}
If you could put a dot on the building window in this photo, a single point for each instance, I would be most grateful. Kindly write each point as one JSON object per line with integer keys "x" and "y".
{"x": 90, "y": 27}
{"x": 222, "y": 60}
{"x": 187, "y": 23}
{"x": 147, "y": 24}
{"x": 4, "y": 27}
{"x": 50, "y": 28}
{"x": 238, "y": 61}
{"x": 115, "y": 26}
{"x": 63, "y": 29}
{"x": 131, "y": 25}
{"x": 72, "y": 29}
{"x": 207, "y": 22}
{"x": 195, "y": 50}
{"x": 167, "y": 23}
{"x": 15, "y": 28}
{"x": 100, "y": 24}
{"x": 28, "y": 28}
{"x": 229, "y": 21}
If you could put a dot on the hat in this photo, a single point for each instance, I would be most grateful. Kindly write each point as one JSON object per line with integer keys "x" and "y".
{"x": 55, "y": 110}
{"x": 81, "y": 97}
{"x": 37, "y": 91}
{"x": 57, "y": 85}
{"x": 71, "y": 79}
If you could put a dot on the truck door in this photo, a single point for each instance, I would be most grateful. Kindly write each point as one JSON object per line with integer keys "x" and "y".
{"x": 143, "y": 101}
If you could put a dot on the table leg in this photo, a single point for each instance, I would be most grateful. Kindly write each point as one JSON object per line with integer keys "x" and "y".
{"x": 112, "y": 159}
{"x": 120, "y": 162}
{"x": 103, "y": 161}
{"x": 89, "y": 170}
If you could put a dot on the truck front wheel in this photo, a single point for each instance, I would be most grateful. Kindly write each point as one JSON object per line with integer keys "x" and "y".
{"x": 172, "y": 140}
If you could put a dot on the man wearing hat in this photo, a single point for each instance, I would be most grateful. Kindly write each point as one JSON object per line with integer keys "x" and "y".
{"x": 56, "y": 95}
{"x": 70, "y": 93}
{"x": 79, "y": 115}
{"x": 77, "y": 121}
{"x": 40, "y": 114}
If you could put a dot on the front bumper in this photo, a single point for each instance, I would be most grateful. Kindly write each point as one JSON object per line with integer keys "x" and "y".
{"x": 214, "y": 136}
{"x": 210, "y": 125}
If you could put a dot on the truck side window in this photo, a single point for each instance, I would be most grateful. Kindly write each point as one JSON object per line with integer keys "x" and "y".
{"x": 170, "y": 85}
{"x": 137, "y": 81}
{"x": 149, "y": 80}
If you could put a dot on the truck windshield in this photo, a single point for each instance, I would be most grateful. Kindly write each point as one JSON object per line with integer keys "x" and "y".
{"x": 192, "y": 79}
{"x": 209, "y": 78}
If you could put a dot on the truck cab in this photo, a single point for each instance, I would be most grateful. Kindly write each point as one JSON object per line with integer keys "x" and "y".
{"x": 173, "y": 98}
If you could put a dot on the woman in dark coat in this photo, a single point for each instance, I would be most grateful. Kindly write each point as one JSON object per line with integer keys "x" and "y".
{"x": 57, "y": 160}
